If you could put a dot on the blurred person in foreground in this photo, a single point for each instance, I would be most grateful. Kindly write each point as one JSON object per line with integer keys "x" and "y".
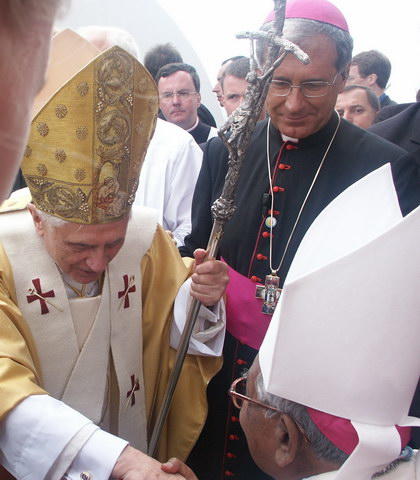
{"x": 300, "y": 158}
{"x": 93, "y": 293}
{"x": 358, "y": 105}
{"x": 25, "y": 33}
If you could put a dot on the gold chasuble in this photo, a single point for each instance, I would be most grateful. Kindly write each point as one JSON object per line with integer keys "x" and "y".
{"x": 32, "y": 358}
{"x": 82, "y": 164}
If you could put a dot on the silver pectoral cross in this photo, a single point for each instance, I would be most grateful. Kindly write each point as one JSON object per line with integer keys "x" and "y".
{"x": 270, "y": 293}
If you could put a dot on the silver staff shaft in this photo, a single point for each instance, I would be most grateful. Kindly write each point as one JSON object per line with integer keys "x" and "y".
{"x": 193, "y": 311}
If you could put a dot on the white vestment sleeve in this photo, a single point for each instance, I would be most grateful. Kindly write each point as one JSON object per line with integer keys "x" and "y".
{"x": 168, "y": 177}
{"x": 209, "y": 331}
{"x": 180, "y": 180}
{"x": 41, "y": 437}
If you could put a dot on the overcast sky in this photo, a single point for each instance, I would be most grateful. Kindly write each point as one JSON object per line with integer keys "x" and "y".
{"x": 374, "y": 24}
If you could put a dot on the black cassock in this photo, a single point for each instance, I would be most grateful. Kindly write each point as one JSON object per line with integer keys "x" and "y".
{"x": 221, "y": 452}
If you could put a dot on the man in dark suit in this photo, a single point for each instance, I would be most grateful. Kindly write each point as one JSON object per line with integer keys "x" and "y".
{"x": 402, "y": 129}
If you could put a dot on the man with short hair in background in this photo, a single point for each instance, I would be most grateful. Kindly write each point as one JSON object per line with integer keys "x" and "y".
{"x": 234, "y": 83}
{"x": 371, "y": 69}
{"x": 358, "y": 105}
{"x": 179, "y": 95}
{"x": 217, "y": 89}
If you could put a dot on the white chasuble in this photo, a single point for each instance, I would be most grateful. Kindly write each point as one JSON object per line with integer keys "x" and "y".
{"x": 74, "y": 355}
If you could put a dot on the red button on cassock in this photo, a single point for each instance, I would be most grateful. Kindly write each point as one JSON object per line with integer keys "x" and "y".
{"x": 278, "y": 189}
{"x": 290, "y": 146}
{"x": 234, "y": 419}
{"x": 233, "y": 437}
{"x": 260, "y": 256}
{"x": 230, "y": 455}
{"x": 275, "y": 212}
{"x": 254, "y": 278}
{"x": 240, "y": 361}
{"x": 266, "y": 234}
{"x": 228, "y": 473}
{"x": 284, "y": 166}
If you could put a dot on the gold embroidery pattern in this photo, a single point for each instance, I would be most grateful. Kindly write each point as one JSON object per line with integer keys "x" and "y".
{"x": 82, "y": 89}
{"x": 28, "y": 151}
{"x": 60, "y": 155}
{"x": 61, "y": 111}
{"x": 42, "y": 169}
{"x": 58, "y": 199}
{"x": 43, "y": 129}
{"x": 80, "y": 174}
{"x": 114, "y": 109}
{"x": 82, "y": 133}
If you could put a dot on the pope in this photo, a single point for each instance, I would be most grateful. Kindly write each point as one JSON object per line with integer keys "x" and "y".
{"x": 94, "y": 294}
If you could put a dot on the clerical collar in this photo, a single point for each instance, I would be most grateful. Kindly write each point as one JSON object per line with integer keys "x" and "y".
{"x": 320, "y": 137}
{"x": 76, "y": 289}
{"x": 194, "y": 126}
{"x": 289, "y": 139}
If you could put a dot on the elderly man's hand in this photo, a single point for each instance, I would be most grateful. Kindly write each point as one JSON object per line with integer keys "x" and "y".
{"x": 173, "y": 465}
{"x": 135, "y": 465}
{"x": 209, "y": 279}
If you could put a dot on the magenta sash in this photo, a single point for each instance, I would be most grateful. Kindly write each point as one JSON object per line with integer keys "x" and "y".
{"x": 245, "y": 320}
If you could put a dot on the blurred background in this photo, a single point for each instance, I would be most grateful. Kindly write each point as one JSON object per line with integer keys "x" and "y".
{"x": 204, "y": 32}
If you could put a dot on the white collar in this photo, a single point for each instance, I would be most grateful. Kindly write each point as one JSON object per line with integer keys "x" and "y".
{"x": 194, "y": 126}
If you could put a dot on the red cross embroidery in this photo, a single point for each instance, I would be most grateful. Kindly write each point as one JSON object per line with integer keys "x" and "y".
{"x": 134, "y": 388}
{"x": 129, "y": 287}
{"x": 38, "y": 294}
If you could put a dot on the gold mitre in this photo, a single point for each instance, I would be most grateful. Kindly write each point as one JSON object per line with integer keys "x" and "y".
{"x": 87, "y": 144}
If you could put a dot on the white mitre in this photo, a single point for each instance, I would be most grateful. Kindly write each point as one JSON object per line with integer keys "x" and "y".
{"x": 344, "y": 338}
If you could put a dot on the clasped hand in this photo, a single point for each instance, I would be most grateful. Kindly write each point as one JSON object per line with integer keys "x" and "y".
{"x": 209, "y": 279}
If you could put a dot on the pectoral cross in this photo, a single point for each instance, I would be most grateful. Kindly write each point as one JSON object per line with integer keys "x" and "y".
{"x": 270, "y": 293}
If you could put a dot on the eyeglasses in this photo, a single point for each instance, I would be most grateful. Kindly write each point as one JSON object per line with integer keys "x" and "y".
{"x": 282, "y": 88}
{"x": 238, "y": 397}
{"x": 181, "y": 94}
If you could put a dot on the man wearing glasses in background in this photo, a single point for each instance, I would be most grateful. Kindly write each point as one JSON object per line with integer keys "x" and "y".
{"x": 179, "y": 99}
{"x": 300, "y": 158}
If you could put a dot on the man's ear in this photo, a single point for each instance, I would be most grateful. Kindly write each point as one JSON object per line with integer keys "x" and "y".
{"x": 371, "y": 79}
{"x": 39, "y": 225}
{"x": 287, "y": 437}
{"x": 342, "y": 78}
{"x": 345, "y": 73}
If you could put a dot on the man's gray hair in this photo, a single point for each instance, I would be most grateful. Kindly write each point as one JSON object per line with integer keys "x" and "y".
{"x": 50, "y": 221}
{"x": 321, "y": 446}
{"x": 110, "y": 36}
{"x": 298, "y": 30}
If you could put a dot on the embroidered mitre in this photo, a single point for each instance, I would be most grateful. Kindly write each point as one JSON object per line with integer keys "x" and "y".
{"x": 87, "y": 144}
